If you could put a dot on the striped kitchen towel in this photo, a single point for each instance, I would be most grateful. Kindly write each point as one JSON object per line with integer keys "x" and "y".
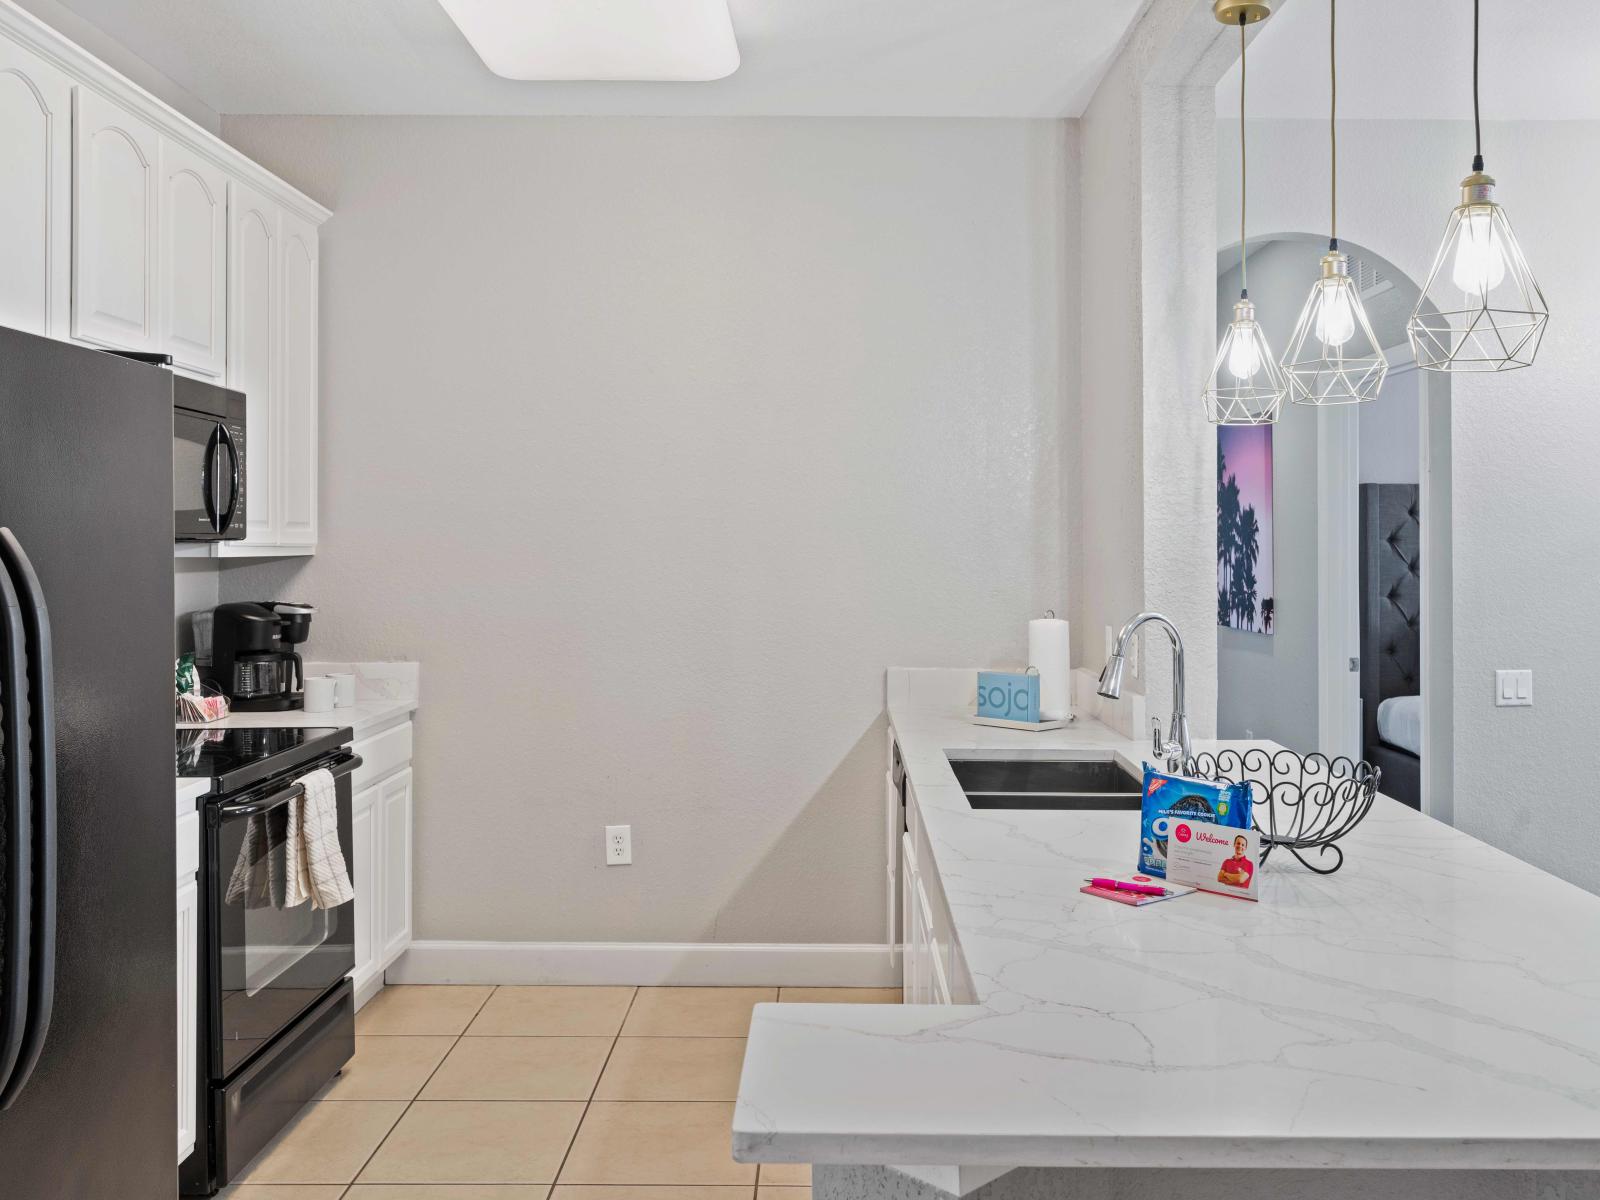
{"x": 317, "y": 869}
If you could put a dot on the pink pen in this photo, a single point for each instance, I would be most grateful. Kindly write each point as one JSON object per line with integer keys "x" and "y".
{"x": 1116, "y": 885}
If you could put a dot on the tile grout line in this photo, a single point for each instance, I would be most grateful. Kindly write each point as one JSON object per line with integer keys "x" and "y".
{"x": 583, "y": 1116}
{"x": 367, "y": 1162}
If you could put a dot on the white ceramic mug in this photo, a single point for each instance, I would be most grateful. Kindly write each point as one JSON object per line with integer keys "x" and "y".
{"x": 319, "y": 694}
{"x": 344, "y": 689}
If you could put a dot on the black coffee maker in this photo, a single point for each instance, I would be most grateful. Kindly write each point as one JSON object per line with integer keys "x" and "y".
{"x": 253, "y": 660}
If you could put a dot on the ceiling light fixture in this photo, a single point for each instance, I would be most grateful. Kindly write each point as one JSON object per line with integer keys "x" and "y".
{"x": 1481, "y": 309}
{"x": 683, "y": 41}
{"x": 1333, "y": 356}
{"x": 1247, "y": 386}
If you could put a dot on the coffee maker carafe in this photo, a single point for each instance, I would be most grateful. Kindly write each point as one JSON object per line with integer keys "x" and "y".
{"x": 253, "y": 661}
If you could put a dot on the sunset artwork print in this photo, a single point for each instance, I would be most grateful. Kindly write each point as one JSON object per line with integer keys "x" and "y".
{"x": 1244, "y": 528}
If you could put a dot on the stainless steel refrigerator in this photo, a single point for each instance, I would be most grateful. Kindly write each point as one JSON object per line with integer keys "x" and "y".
{"x": 88, "y": 1055}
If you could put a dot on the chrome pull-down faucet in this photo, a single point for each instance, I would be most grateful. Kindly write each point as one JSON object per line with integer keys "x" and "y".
{"x": 1176, "y": 747}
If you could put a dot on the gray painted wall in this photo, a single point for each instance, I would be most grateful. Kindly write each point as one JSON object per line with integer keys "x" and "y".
{"x": 1267, "y": 686}
{"x": 1390, "y": 432}
{"x": 656, "y": 441}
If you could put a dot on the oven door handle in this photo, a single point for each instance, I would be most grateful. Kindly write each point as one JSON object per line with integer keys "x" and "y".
{"x": 252, "y": 808}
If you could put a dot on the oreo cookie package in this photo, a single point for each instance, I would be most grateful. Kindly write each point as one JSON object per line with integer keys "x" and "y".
{"x": 1170, "y": 798}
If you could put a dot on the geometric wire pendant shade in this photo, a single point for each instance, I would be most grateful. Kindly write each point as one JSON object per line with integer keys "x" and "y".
{"x": 1333, "y": 356}
{"x": 1481, "y": 309}
{"x": 1247, "y": 385}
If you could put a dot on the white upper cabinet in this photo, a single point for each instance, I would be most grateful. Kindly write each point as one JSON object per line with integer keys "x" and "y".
{"x": 115, "y": 230}
{"x": 297, "y": 449}
{"x": 194, "y": 260}
{"x": 124, "y": 226}
{"x": 253, "y": 335}
{"x": 35, "y": 193}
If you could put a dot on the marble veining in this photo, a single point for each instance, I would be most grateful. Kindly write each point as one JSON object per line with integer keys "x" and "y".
{"x": 1436, "y": 1003}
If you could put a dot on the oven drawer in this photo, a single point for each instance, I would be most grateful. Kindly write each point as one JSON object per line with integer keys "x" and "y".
{"x": 250, "y": 1111}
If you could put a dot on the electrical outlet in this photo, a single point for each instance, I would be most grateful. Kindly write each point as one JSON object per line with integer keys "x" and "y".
{"x": 619, "y": 845}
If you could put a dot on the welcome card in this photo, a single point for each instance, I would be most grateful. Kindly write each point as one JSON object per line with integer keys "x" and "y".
{"x": 1214, "y": 858}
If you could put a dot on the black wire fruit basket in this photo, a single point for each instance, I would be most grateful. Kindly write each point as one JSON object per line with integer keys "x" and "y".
{"x": 1304, "y": 803}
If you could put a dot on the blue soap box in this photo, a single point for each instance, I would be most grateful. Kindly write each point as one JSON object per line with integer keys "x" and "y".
{"x": 1004, "y": 696}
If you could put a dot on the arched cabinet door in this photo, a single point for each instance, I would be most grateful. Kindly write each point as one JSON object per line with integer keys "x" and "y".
{"x": 194, "y": 261}
{"x": 115, "y": 166}
{"x": 297, "y": 450}
{"x": 35, "y": 193}
{"x": 254, "y": 321}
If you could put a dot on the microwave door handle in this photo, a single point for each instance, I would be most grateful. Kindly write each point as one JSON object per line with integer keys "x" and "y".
{"x": 208, "y": 482}
{"x": 42, "y": 744}
{"x": 225, "y": 515}
{"x": 15, "y": 953}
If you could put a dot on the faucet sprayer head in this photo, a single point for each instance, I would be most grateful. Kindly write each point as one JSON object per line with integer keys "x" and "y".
{"x": 1111, "y": 677}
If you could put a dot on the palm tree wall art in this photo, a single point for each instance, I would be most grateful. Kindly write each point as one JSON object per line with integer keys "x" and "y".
{"x": 1244, "y": 528}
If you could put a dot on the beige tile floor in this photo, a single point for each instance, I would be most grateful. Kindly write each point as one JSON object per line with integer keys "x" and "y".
{"x": 536, "y": 1093}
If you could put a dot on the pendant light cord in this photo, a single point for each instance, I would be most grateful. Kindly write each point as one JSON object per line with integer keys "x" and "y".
{"x": 1477, "y": 122}
{"x": 1244, "y": 275}
{"x": 1333, "y": 126}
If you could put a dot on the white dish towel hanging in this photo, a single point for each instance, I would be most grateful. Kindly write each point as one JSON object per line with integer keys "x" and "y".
{"x": 317, "y": 869}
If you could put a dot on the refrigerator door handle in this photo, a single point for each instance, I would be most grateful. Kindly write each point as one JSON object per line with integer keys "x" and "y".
{"x": 15, "y": 953}
{"x": 42, "y": 744}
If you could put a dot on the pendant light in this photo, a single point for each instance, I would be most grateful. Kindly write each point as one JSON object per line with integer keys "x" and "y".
{"x": 1333, "y": 357}
{"x": 1481, "y": 309}
{"x": 1247, "y": 386}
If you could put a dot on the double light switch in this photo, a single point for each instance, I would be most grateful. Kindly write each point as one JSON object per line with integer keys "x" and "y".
{"x": 1513, "y": 689}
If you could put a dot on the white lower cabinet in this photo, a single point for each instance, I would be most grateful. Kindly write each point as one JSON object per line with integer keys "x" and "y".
{"x": 381, "y": 870}
{"x": 932, "y": 970}
{"x": 364, "y": 876}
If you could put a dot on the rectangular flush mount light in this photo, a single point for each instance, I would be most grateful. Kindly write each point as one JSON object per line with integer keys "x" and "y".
{"x": 669, "y": 40}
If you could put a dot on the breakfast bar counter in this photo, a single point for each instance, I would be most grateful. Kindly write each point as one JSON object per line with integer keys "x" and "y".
{"x": 1433, "y": 1004}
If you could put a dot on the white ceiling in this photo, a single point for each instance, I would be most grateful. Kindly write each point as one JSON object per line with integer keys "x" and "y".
{"x": 986, "y": 58}
{"x": 1413, "y": 59}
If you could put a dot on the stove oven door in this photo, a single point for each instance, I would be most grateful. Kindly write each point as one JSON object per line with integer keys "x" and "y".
{"x": 267, "y": 962}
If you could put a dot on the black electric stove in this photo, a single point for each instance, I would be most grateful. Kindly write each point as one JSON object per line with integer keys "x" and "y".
{"x": 236, "y": 758}
{"x": 276, "y": 1007}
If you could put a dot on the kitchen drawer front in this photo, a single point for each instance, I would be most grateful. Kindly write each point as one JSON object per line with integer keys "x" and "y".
{"x": 188, "y": 846}
{"x": 382, "y": 754}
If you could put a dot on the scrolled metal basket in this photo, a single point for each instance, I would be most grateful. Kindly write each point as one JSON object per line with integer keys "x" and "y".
{"x": 1304, "y": 803}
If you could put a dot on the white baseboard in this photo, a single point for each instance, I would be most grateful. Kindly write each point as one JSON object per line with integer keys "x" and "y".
{"x": 657, "y": 963}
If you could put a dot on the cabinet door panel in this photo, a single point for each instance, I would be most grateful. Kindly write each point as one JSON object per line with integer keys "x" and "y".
{"x": 397, "y": 805}
{"x": 367, "y": 877}
{"x": 194, "y": 254}
{"x": 35, "y": 193}
{"x": 253, "y": 321}
{"x": 114, "y": 224}
{"x": 297, "y": 450}
{"x": 188, "y": 1013}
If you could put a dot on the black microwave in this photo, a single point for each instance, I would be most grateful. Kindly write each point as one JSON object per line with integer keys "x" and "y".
{"x": 207, "y": 456}
{"x": 208, "y": 461}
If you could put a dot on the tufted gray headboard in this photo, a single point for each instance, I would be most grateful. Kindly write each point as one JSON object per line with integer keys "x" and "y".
{"x": 1391, "y": 600}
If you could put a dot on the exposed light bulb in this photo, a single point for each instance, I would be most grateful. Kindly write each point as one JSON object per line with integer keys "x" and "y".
{"x": 1244, "y": 355}
{"x": 1336, "y": 317}
{"x": 1480, "y": 258}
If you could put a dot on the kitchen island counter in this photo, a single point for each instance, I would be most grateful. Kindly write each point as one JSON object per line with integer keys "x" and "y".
{"x": 1435, "y": 1003}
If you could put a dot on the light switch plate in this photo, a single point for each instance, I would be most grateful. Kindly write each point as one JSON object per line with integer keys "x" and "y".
{"x": 1513, "y": 689}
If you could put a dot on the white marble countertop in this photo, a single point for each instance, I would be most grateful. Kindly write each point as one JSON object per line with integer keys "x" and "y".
{"x": 1436, "y": 1003}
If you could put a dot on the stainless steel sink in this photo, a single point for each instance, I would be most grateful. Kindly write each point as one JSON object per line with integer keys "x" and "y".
{"x": 1047, "y": 783}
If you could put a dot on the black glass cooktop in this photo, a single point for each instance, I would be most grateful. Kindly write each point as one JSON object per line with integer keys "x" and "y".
{"x": 236, "y": 758}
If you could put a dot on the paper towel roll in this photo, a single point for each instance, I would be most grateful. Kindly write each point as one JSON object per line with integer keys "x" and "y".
{"x": 1050, "y": 650}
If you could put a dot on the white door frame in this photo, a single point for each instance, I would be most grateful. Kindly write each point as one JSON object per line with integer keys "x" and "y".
{"x": 1338, "y": 582}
